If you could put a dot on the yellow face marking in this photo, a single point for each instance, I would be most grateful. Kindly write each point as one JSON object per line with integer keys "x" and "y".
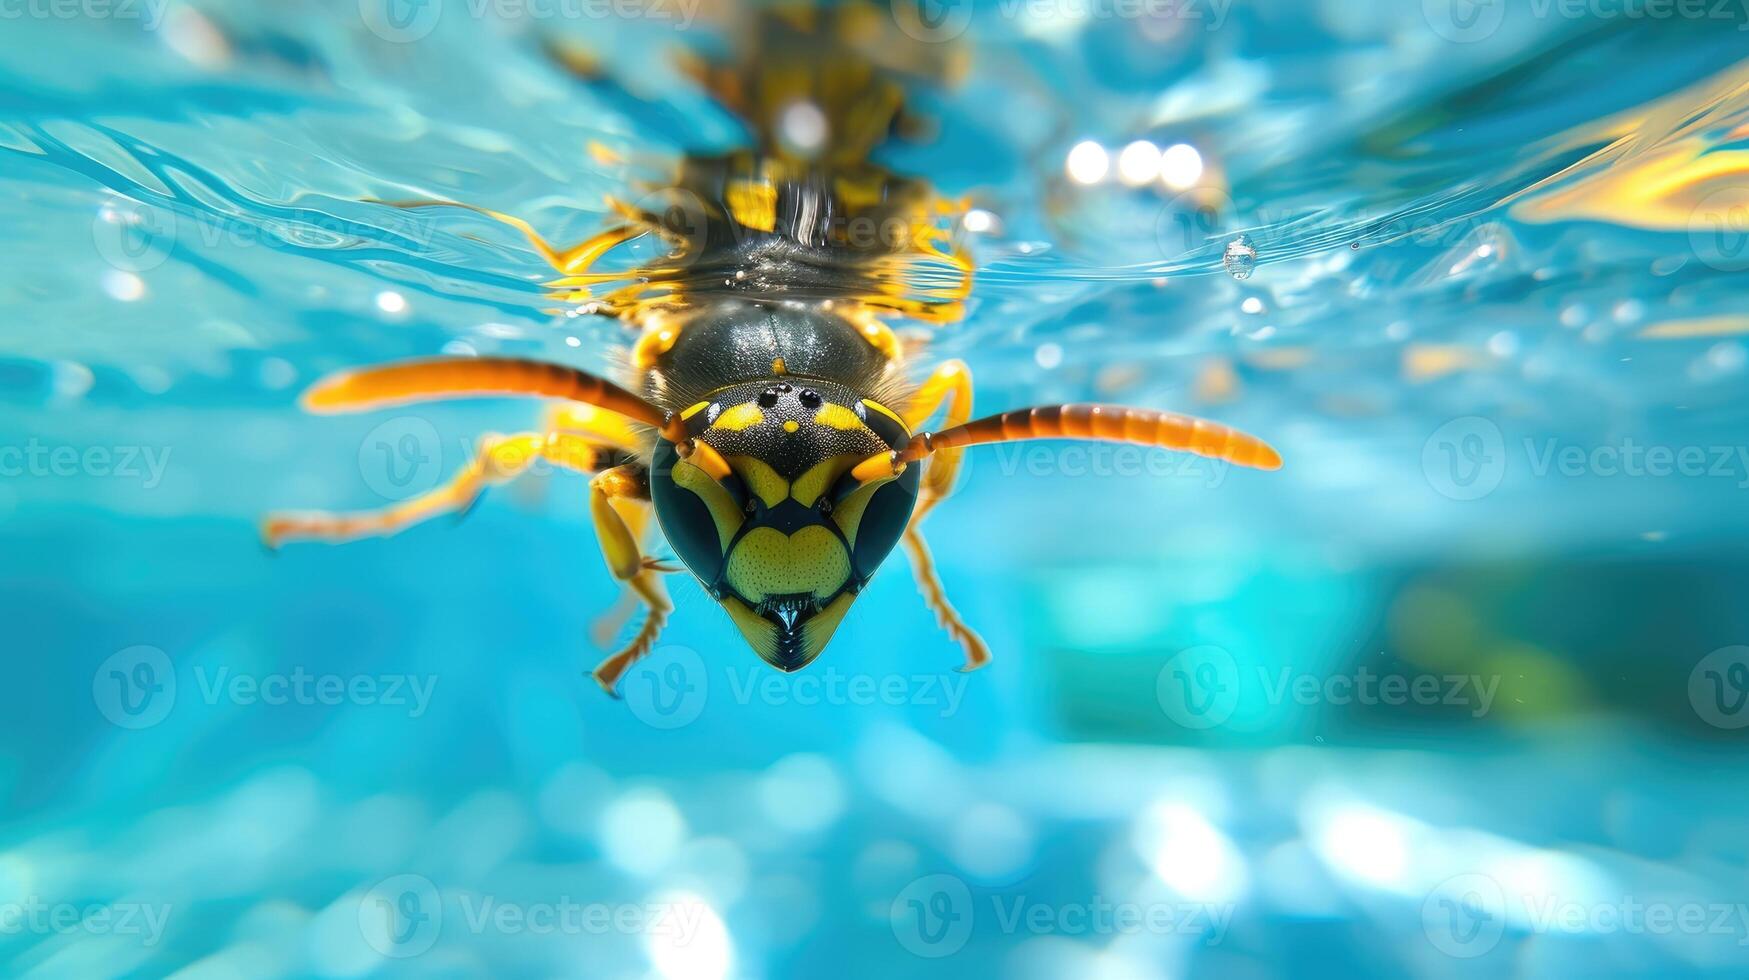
{"x": 848, "y": 513}
{"x": 777, "y": 366}
{"x": 760, "y": 632}
{"x": 761, "y": 479}
{"x": 767, "y": 562}
{"x": 694, "y": 410}
{"x": 791, "y": 425}
{"x": 819, "y": 629}
{"x": 743, "y": 416}
{"x": 838, "y": 417}
{"x": 727, "y": 517}
{"x": 884, "y": 410}
{"x": 810, "y": 486}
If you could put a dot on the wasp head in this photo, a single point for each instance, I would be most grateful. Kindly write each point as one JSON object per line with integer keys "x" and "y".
{"x": 786, "y": 537}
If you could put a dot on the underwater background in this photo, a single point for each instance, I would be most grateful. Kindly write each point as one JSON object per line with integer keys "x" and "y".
{"x": 1460, "y": 691}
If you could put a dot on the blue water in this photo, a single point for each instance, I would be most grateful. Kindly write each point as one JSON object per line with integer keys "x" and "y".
{"x": 1460, "y": 691}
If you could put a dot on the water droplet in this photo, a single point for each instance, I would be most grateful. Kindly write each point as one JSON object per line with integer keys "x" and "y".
{"x": 1240, "y": 257}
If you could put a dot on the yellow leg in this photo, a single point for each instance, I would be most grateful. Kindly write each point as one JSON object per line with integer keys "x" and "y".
{"x": 626, "y": 560}
{"x": 929, "y": 583}
{"x": 568, "y": 261}
{"x": 498, "y": 459}
{"x": 950, "y": 385}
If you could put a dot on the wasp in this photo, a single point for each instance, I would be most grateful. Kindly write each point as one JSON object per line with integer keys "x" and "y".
{"x": 766, "y": 412}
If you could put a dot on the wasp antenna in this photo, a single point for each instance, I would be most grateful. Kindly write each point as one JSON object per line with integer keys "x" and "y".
{"x": 468, "y": 377}
{"x": 1105, "y": 423}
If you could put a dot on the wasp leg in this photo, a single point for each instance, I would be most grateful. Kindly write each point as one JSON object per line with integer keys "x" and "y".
{"x": 498, "y": 459}
{"x": 950, "y": 385}
{"x": 568, "y": 261}
{"x": 929, "y": 583}
{"x": 630, "y": 484}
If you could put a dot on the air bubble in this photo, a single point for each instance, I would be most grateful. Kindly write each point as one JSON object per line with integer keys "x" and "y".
{"x": 1240, "y": 258}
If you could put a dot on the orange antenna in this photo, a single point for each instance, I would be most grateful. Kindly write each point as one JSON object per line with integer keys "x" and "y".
{"x": 469, "y": 377}
{"x": 1106, "y": 423}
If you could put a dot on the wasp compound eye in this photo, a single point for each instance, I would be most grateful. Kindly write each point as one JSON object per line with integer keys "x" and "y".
{"x": 810, "y": 398}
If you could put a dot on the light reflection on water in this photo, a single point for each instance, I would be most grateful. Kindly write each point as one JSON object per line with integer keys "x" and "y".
{"x": 1494, "y": 325}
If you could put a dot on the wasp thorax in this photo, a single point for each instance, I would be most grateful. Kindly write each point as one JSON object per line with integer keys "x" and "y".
{"x": 786, "y": 537}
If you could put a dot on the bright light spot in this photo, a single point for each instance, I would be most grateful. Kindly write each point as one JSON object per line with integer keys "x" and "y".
{"x": 1252, "y": 305}
{"x": 978, "y": 221}
{"x": 391, "y": 302}
{"x": 124, "y": 286}
{"x": 641, "y": 831}
{"x": 1483, "y": 251}
{"x": 1088, "y": 163}
{"x": 573, "y": 342}
{"x": 1048, "y": 356}
{"x": 802, "y": 793}
{"x": 1180, "y": 166}
{"x": 1503, "y": 344}
{"x": 689, "y": 942}
{"x": 1189, "y": 854}
{"x": 802, "y": 127}
{"x": 1139, "y": 163}
{"x": 1364, "y": 843}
